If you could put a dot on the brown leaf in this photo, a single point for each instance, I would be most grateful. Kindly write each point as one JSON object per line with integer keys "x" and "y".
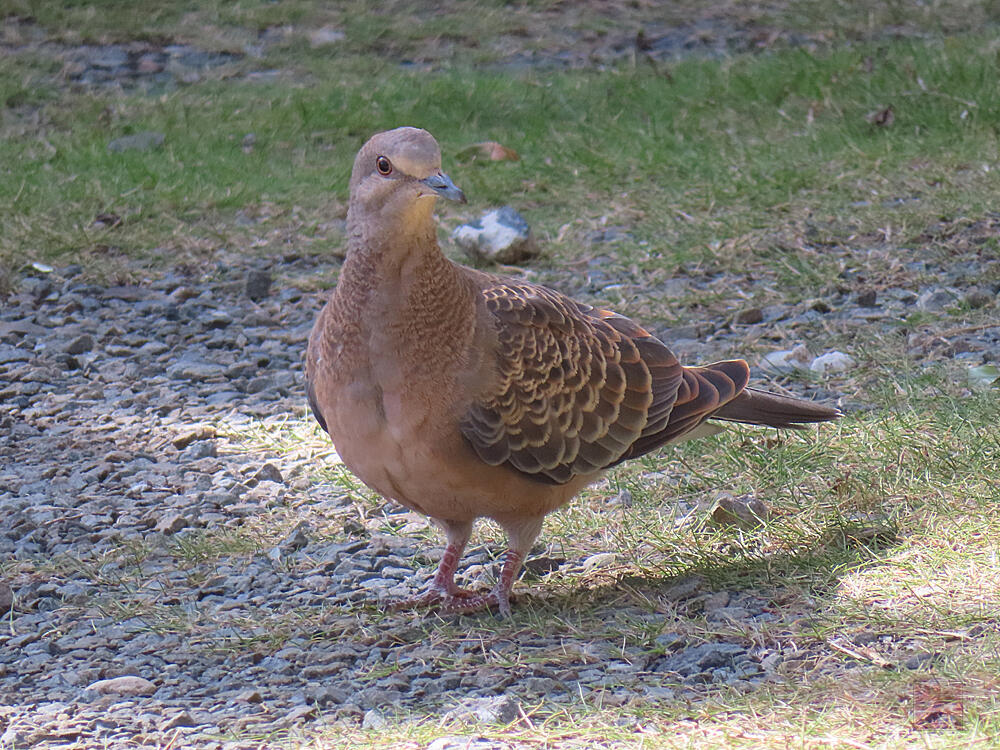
{"x": 488, "y": 151}
{"x": 940, "y": 716}
{"x": 746, "y": 511}
{"x": 109, "y": 220}
{"x": 881, "y": 118}
{"x": 937, "y": 706}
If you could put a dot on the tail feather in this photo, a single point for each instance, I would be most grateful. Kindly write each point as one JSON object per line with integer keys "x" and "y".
{"x": 771, "y": 410}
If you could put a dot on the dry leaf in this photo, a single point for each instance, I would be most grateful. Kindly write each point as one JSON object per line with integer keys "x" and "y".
{"x": 109, "y": 220}
{"x": 881, "y": 118}
{"x": 488, "y": 151}
{"x": 745, "y": 511}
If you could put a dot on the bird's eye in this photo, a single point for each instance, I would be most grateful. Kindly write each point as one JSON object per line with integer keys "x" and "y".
{"x": 383, "y": 165}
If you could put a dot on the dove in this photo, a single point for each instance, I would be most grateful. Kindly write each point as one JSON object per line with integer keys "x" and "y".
{"x": 463, "y": 394}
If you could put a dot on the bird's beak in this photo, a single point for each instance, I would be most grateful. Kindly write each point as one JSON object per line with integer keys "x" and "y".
{"x": 441, "y": 184}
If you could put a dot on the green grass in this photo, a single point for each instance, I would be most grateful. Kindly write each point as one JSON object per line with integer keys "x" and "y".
{"x": 756, "y": 168}
{"x": 716, "y": 159}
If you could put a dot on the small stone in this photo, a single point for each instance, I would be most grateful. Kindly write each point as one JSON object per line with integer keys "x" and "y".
{"x": 80, "y": 345}
{"x": 659, "y": 693}
{"x": 373, "y": 719}
{"x": 195, "y": 370}
{"x": 300, "y": 713}
{"x": 258, "y": 285}
{"x": 217, "y": 319}
{"x": 867, "y": 298}
{"x": 976, "y": 298}
{"x": 10, "y": 354}
{"x": 183, "y": 719}
{"x": 125, "y": 685}
{"x": 786, "y": 361}
{"x": 327, "y": 694}
{"x": 918, "y": 660}
{"x": 684, "y": 589}
{"x": 183, "y": 294}
{"x": 74, "y": 592}
{"x": 746, "y": 511}
{"x": 144, "y": 141}
{"x": 200, "y": 449}
{"x": 832, "y": 362}
{"x": 600, "y": 560}
{"x": 750, "y": 317}
{"x": 937, "y": 299}
{"x": 250, "y": 696}
{"x": 260, "y": 384}
{"x": 172, "y": 524}
{"x": 498, "y": 236}
{"x": 296, "y": 540}
{"x": 201, "y": 432}
{"x": 6, "y": 598}
{"x": 268, "y": 473}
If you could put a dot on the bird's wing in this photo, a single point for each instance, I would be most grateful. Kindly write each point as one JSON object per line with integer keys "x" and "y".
{"x": 581, "y": 389}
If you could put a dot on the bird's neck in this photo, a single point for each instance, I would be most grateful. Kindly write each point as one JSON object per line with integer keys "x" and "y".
{"x": 396, "y": 263}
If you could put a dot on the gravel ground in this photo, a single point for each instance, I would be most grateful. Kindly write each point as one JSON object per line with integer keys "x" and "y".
{"x": 167, "y": 583}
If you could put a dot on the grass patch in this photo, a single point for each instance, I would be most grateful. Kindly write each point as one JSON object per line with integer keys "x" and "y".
{"x": 720, "y": 159}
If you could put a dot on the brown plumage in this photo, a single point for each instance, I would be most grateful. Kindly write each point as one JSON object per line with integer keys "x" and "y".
{"x": 462, "y": 394}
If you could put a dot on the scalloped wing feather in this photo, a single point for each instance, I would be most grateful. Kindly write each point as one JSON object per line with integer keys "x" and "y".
{"x": 579, "y": 388}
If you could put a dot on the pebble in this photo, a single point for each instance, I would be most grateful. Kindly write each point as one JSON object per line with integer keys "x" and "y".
{"x": 786, "y": 361}
{"x": 937, "y": 299}
{"x": 750, "y": 316}
{"x": 258, "y": 284}
{"x": 832, "y": 362}
{"x": 373, "y": 719}
{"x": 80, "y": 345}
{"x": 125, "y": 685}
{"x": 498, "y": 236}
{"x": 171, "y": 524}
{"x": 745, "y": 511}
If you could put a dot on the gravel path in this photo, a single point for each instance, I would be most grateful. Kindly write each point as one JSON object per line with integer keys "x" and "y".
{"x": 169, "y": 581}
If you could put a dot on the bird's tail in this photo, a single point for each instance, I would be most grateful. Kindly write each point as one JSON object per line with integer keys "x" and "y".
{"x": 771, "y": 410}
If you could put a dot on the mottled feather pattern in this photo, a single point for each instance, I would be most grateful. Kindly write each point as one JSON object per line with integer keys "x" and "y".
{"x": 577, "y": 385}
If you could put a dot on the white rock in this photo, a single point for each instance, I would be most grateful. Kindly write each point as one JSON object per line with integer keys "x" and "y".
{"x": 373, "y": 720}
{"x": 600, "y": 560}
{"x": 124, "y": 685}
{"x": 832, "y": 362}
{"x": 324, "y": 35}
{"x": 500, "y": 236}
{"x": 786, "y": 361}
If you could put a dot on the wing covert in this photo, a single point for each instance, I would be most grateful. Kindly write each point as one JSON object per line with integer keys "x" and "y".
{"x": 577, "y": 386}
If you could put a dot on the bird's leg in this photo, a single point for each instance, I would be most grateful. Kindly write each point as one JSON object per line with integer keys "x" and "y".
{"x": 521, "y": 534}
{"x": 443, "y": 588}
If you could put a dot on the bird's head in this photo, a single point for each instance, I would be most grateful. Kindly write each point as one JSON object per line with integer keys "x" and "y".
{"x": 397, "y": 174}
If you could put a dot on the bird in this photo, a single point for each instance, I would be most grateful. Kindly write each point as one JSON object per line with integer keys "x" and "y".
{"x": 463, "y": 394}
